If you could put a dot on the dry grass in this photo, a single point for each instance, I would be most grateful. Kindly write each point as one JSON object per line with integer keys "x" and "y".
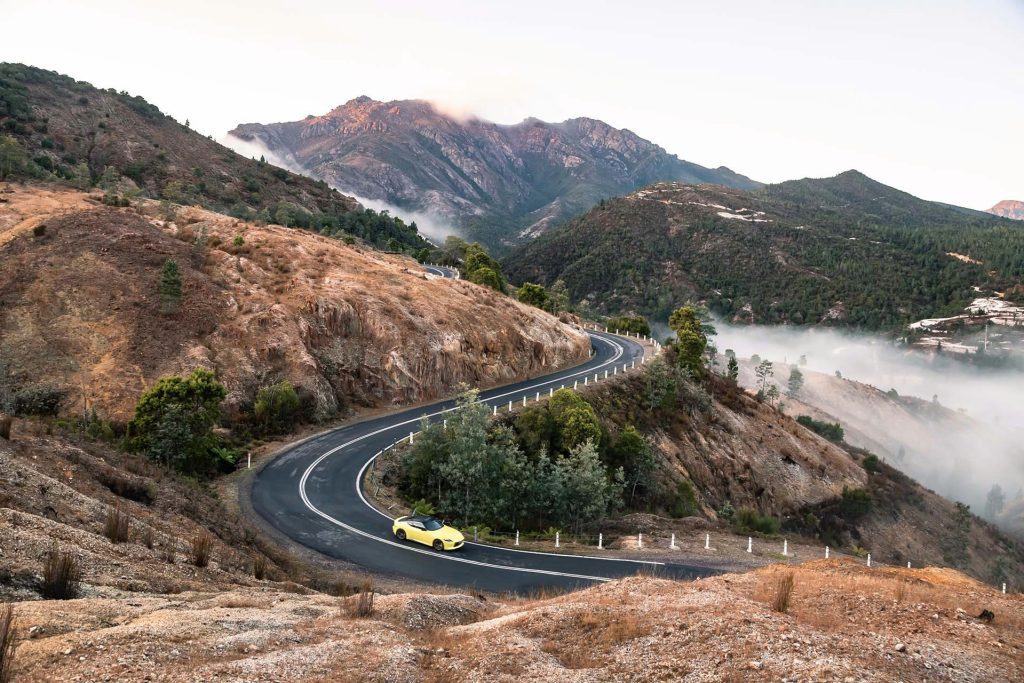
{"x": 62, "y": 575}
{"x": 259, "y": 567}
{"x": 8, "y": 638}
{"x": 362, "y": 606}
{"x": 146, "y": 537}
{"x": 201, "y": 549}
{"x": 169, "y": 552}
{"x": 116, "y": 526}
{"x": 783, "y": 592}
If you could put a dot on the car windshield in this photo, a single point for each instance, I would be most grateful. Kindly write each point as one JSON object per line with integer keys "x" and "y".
{"x": 432, "y": 524}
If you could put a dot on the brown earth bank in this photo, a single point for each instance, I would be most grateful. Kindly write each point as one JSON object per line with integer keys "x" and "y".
{"x": 841, "y": 622}
{"x": 80, "y": 309}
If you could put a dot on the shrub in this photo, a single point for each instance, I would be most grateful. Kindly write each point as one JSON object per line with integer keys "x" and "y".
{"x": 8, "y": 640}
{"x": 685, "y": 503}
{"x": 783, "y": 592}
{"x": 5, "y": 427}
{"x": 259, "y": 567}
{"x": 174, "y": 421}
{"x": 40, "y": 399}
{"x": 533, "y": 295}
{"x": 146, "y": 538}
{"x": 276, "y": 406}
{"x": 39, "y": 230}
{"x": 748, "y": 519}
{"x": 170, "y": 551}
{"x": 116, "y": 526}
{"x": 870, "y": 463}
{"x": 62, "y": 576}
{"x": 830, "y": 430}
{"x": 202, "y": 546}
{"x": 727, "y": 513}
{"x": 238, "y": 241}
{"x": 635, "y": 324}
{"x": 363, "y": 606}
{"x": 856, "y": 503}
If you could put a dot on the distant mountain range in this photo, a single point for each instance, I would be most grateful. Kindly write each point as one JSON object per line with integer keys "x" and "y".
{"x": 846, "y": 250}
{"x": 502, "y": 184}
{"x": 1009, "y": 208}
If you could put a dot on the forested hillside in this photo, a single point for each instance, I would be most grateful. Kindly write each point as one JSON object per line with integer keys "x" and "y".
{"x": 55, "y": 128}
{"x": 844, "y": 250}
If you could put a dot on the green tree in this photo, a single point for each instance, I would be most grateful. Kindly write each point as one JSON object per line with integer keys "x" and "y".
{"x": 634, "y": 324}
{"x": 587, "y": 492}
{"x": 733, "y": 371}
{"x": 170, "y": 286}
{"x": 575, "y": 420}
{"x": 533, "y": 295}
{"x": 487, "y": 277}
{"x": 661, "y": 386}
{"x": 796, "y": 381}
{"x": 174, "y": 421}
{"x": 13, "y": 159}
{"x": 764, "y": 372}
{"x": 276, "y": 407}
{"x": 685, "y": 503}
{"x": 558, "y": 297}
{"x": 633, "y": 454}
{"x": 691, "y": 339}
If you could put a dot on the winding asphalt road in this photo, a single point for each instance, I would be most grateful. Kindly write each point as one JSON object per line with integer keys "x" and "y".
{"x": 312, "y": 494}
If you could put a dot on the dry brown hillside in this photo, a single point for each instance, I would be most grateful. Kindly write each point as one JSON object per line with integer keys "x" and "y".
{"x": 80, "y": 309}
{"x": 844, "y": 622}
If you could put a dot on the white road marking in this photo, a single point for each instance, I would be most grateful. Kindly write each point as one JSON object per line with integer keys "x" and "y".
{"x": 619, "y": 350}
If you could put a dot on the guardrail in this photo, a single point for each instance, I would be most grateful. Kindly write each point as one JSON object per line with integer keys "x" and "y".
{"x": 555, "y": 541}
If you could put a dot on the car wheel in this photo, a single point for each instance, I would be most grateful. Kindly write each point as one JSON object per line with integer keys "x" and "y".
{"x": 438, "y": 545}
{"x": 401, "y": 534}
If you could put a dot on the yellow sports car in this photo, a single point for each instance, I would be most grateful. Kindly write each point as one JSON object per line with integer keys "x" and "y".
{"x": 428, "y": 531}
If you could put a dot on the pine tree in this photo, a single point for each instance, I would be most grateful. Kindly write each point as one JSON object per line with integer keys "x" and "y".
{"x": 796, "y": 381}
{"x": 170, "y": 286}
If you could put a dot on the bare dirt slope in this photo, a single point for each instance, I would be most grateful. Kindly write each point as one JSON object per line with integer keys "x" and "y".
{"x": 845, "y": 623}
{"x": 80, "y": 308}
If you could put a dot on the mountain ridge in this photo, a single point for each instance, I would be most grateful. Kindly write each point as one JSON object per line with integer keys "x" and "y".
{"x": 1009, "y": 208}
{"x": 502, "y": 183}
{"x": 840, "y": 250}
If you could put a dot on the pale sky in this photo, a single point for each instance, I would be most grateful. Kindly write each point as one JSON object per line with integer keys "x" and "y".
{"x": 925, "y": 95}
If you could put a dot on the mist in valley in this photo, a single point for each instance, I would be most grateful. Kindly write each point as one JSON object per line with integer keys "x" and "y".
{"x": 964, "y": 435}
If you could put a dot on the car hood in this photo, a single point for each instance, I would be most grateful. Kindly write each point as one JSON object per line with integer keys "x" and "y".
{"x": 451, "y": 533}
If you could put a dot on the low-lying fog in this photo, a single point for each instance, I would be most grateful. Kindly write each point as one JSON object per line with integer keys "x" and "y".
{"x": 434, "y": 228}
{"x": 960, "y": 458}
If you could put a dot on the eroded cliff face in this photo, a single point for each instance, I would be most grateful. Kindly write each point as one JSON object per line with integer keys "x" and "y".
{"x": 347, "y": 326}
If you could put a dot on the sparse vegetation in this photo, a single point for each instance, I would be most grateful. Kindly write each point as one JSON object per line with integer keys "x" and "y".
{"x": 62, "y": 575}
{"x": 276, "y": 407}
{"x": 633, "y": 324}
{"x": 259, "y": 567}
{"x": 116, "y": 525}
{"x": 749, "y": 519}
{"x": 783, "y": 592}
{"x": 363, "y": 606}
{"x": 201, "y": 548}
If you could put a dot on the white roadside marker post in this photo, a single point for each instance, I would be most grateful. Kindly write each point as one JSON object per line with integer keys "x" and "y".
{"x": 524, "y": 401}
{"x": 474, "y": 535}
{"x": 750, "y": 544}
{"x": 445, "y": 423}
{"x": 495, "y": 410}
{"x": 672, "y": 543}
{"x": 557, "y": 543}
{"x": 707, "y": 541}
{"x": 574, "y": 384}
{"x": 1004, "y": 588}
{"x": 537, "y": 397}
{"x": 908, "y": 565}
{"x": 606, "y": 374}
{"x": 600, "y": 545}
{"x": 869, "y": 559}
{"x": 248, "y": 461}
{"x": 639, "y": 540}
{"x": 517, "y": 536}
{"x": 551, "y": 392}
{"x": 826, "y": 552}
{"x": 510, "y": 406}
{"x": 785, "y": 547}
{"x": 410, "y": 438}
